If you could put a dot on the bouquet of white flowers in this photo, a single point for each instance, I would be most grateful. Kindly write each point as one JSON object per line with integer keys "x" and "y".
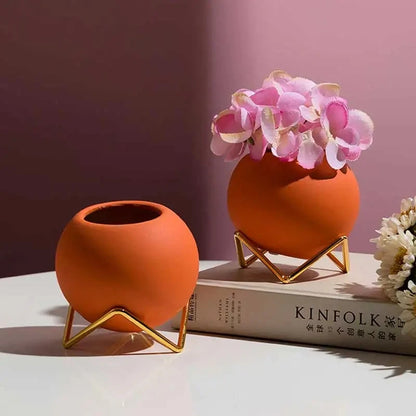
{"x": 396, "y": 249}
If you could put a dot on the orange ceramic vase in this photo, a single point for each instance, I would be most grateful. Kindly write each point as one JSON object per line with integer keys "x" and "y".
{"x": 289, "y": 210}
{"x": 133, "y": 254}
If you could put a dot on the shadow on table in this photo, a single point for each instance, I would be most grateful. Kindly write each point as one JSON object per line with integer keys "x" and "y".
{"x": 47, "y": 341}
{"x": 394, "y": 364}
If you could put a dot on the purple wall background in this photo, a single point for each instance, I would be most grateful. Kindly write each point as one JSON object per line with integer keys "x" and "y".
{"x": 106, "y": 100}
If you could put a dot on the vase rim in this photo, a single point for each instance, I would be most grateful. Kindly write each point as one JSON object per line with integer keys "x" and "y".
{"x": 120, "y": 213}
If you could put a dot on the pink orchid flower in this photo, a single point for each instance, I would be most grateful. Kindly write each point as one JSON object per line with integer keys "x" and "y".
{"x": 233, "y": 125}
{"x": 296, "y": 119}
{"x": 310, "y": 153}
{"x": 347, "y": 132}
{"x": 320, "y": 95}
{"x": 258, "y": 145}
{"x": 283, "y": 82}
{"x": 251, "y": 103}
{"x": 287, "y": 147}
{"x": 279, "y": 125}
{"x": 294, "y": 102}
{"x": 277, "y": 121}
{"x": 241, "y": 123}
{"x": 343, "y": 133}
{"x": 230, "y": 150}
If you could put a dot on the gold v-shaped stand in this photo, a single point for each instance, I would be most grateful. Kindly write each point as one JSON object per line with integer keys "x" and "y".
{"x": 68, "y": 342}
{"x": 260, "y": 254}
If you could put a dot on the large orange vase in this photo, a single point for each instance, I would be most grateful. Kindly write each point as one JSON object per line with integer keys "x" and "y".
{"x": 289, "y": 210}
{"x": 133, "y": 254}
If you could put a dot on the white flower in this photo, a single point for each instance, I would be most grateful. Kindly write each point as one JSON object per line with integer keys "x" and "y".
{"x": 389, "y": 228}
{"x": 396, "y": 249}
{"x": 397, "y": 255}
{"x": 407, "y": 301}
{"x": 407, "y": 204}
{"x": 407, "y": 216}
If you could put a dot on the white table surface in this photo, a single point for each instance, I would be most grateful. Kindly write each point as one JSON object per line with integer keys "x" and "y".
{"x": 110, "y": 373}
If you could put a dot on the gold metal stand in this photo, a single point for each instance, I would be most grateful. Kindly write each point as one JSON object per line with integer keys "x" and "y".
{"x": 259, "y": 253}
{"x": 68, "y": 342}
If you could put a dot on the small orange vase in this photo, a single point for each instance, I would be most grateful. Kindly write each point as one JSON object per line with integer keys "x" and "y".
{"x": 286, "y": 209}
{"x": 133, "y": 254}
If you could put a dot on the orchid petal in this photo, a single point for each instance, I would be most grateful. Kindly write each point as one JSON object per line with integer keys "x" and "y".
{"x": 289, "y": 158}
{"x": 234, "y": 151}
{"x": 230, "y": 151}
{"x": 320, "y": 137}
{"x": 307, "y": 125}
{"x": 290, "y": 101}
{"x": 288, "y": 144}
{"x": 334, "y": 155}
{"x": 245, "y": 118}
{"x": 218, "y": 146}
{"x": 268, "y": 125}
{"x": 265, "y": 96}
{"x": 308, "y": 113}
{"x": 310, "y": 154}
{"x": 290, "y": 118}
{"x": 235, "y": 137}
{"x": 241, "y": 100}
{"x": 245, "y": 91}
{"x": 278, "y": 79}
{"x": 257, "y": 121}
{"x": 284, "y": 130}
{"x": 335, "y": 116}
{"x": 229, "y": 129}
{"x": 322, "y": 92}
{"x": 352, "y": 153}
{"x": 348, "y": 138}
{"x": 276, "y": 115}
{"x": 217, "y": 117}
{"x": 260, "y": 145}
{"x": 364, "y": 126}
{"x": 278, "y": 75}
{"x": 302, "y": 86}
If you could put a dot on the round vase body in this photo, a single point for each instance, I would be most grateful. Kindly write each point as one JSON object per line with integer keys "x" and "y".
{"x": 136, "y": 255}
{"x": 289, "y": 210}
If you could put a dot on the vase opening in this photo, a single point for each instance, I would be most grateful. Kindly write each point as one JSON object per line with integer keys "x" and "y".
{"x": 123, "y": 214}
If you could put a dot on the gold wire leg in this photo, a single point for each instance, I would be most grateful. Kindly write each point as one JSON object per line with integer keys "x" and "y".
{"x": 260, "y": 254}
{"x": 68, "y": 342}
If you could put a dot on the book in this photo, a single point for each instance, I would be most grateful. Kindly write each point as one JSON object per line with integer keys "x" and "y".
{"x": 322, "y": 306}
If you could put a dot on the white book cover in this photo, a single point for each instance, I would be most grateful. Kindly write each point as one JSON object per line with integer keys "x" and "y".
{"x": 322, "y": 306}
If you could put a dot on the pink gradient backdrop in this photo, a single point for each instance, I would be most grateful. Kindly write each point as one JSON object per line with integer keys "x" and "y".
{"x": 112, "y": 100}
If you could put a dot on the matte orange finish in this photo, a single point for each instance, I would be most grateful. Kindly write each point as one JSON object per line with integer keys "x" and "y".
{"x": 135, "y": 254}
{"x": 289, "y": 210}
